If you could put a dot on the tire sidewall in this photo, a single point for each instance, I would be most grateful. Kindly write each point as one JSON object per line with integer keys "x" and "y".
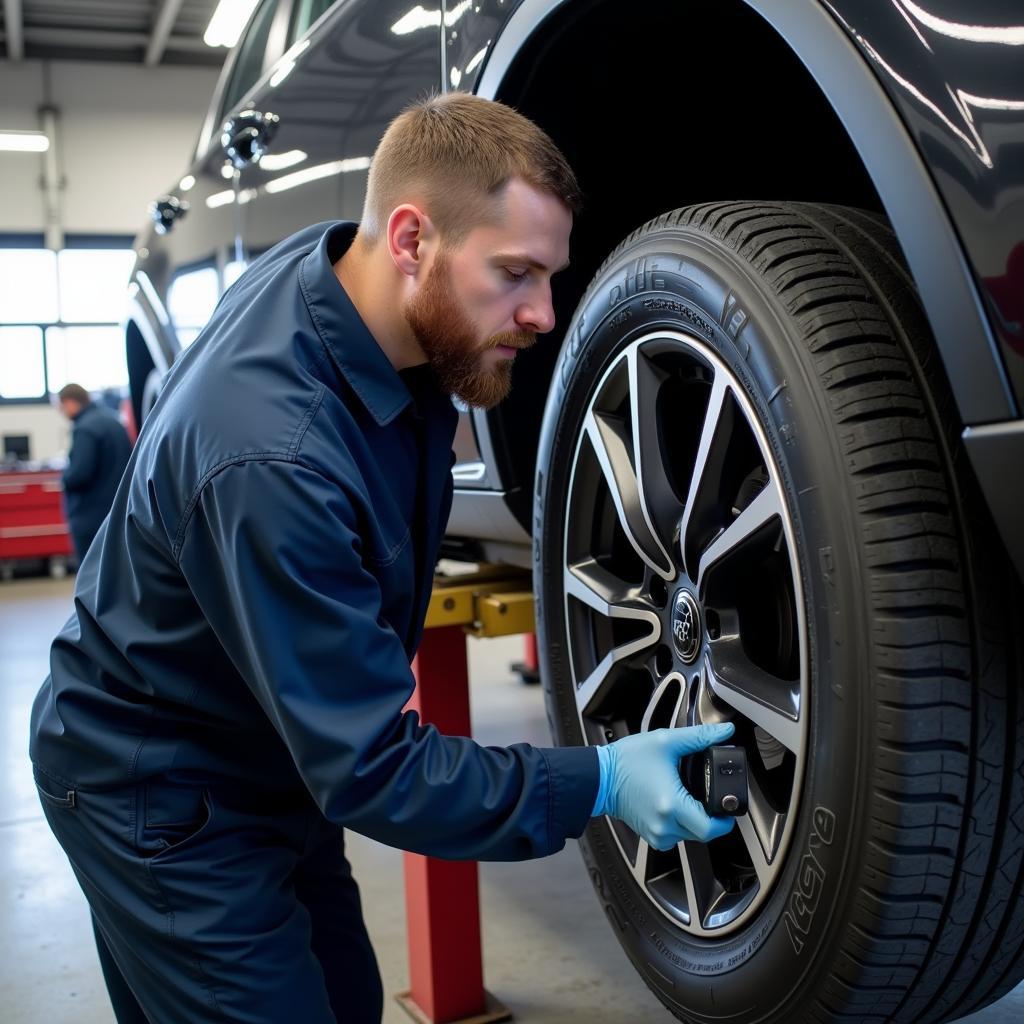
{"x": 684, "y": 280}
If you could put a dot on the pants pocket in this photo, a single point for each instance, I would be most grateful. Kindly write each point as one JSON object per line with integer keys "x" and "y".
{"x": 52, "y": 792}
{"x": 170, "y": 815}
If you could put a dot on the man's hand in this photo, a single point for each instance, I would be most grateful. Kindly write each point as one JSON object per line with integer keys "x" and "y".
{"x": 640, "y": 785}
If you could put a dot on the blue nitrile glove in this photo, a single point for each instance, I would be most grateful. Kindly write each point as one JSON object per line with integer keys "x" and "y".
{"x": 640, "y": 785}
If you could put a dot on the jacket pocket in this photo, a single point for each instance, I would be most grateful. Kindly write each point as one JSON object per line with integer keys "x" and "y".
{"x": 52, "y": 792}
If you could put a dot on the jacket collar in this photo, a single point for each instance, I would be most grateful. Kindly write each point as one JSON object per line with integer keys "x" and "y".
{"x": 353, "y": 348}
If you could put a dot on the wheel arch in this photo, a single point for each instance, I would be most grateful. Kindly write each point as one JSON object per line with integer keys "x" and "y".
{"x": 820, "y": 129}
{"x": 146, "y": 348}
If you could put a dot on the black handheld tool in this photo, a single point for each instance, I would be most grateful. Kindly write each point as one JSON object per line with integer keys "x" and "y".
{"x": 718, "y": 779}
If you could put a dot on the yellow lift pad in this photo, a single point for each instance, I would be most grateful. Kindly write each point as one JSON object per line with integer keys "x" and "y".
{"x": 493, "y": 600}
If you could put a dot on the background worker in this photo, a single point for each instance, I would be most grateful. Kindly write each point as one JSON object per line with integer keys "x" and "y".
{"x": 99, "y": 453}
{"x": 228, "y": 695}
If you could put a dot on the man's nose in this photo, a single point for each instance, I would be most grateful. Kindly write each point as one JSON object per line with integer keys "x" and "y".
{"x": 537, "y": 316}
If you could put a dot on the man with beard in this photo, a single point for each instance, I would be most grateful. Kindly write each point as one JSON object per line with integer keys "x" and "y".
{"x": 229, "y": 691}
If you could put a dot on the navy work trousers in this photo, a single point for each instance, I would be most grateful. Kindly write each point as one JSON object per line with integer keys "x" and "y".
{"x": 208, "y": 908}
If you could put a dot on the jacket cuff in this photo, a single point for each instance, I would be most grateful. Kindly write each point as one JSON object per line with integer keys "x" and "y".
{"x": 573, "y": 779}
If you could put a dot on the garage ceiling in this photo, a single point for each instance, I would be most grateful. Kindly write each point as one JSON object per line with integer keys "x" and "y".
{"x": 136, "y": 31}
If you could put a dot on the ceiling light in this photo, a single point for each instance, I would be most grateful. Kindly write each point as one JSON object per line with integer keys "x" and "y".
{"x": 279, "y": 161}
{"x": 24, "y": 142}
{"x": 359, "y": 163}
{"x": 220, "y": 199}
{"x": 227, "y": 22}
{"x": 187, "y": 182}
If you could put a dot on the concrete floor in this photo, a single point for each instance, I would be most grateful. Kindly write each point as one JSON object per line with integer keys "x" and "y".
{"x": 548, "y": 952}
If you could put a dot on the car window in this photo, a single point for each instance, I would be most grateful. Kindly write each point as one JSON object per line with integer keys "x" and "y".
{"x": 249, "y": 63}
{"x": 304, "y": 14}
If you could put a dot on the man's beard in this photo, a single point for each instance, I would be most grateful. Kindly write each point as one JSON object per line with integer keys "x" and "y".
{"x": 447, "y": 338}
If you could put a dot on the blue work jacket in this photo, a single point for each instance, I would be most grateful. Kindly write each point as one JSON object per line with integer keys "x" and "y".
{"x": 248, "y": 613}
{"x": 98, "y": 456}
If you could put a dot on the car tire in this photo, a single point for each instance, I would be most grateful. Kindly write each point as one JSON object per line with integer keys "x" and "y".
{"x": 854, "y": 617}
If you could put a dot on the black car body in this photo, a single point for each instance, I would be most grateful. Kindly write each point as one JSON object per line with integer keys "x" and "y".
{"x": 881, "y": 148}
{"x": 888, "y": 107}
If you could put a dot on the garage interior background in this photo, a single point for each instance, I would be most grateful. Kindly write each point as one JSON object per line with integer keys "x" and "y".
{"x": 127, "y": 81}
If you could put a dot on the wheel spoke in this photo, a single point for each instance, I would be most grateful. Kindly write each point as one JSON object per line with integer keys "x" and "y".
{"x": 639, "y": 869}
{"x": 766, "y": 506}
{"x": 594, "y": 683}
{"x": 702, "y": 888}
{"x": 657, "y": 498}
{"x": 763, "y": 825}
{"x": 709, "y": 430}
{"x": 764, "y": 699}
{"x": 605, "y": 593}
{"x": 753, "y": 842}
{"x": 658, "y": 697}
{"x": 612, "y": 449}
{"x": 601, "y": 591}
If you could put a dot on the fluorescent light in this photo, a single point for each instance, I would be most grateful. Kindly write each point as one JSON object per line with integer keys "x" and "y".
{"x": 279, "y": 161}
{"x": 220, "y": 199}
{"x": 228, "y": 21}
{"x": 227, "y": 170}
{"x": 24, "y": 142}
{"x": 456, "y": 76}
{"x": 187, "y": 182}
{"x": 416, "y": 19}
{"x": 359, "y": 163}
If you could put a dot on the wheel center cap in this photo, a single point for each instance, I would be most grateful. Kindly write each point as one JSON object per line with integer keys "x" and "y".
{"x": 686, "y": 627}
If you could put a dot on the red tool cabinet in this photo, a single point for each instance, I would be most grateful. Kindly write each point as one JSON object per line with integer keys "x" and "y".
{"x": 32, "y": 523}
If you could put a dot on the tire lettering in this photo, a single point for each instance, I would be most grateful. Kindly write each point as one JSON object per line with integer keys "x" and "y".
{"x": 803, "y": 902}
{"x": 677, "y": 307}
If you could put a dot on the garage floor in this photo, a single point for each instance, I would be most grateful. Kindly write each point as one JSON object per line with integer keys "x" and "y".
{"x": 548, "y": 952}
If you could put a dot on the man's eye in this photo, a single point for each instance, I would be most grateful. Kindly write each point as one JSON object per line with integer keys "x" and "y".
{"x": 515, "y": 275}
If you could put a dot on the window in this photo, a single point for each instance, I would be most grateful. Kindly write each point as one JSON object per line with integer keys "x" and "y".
{"x": 91, "y": 356}
{"x": 28, "y": 285}
{"x": 304, "y": 14}
{"x": 191, "y": 299}
{"x": 93, "y": 284}
{"x": 248, "y": 64}
{"x": 60, "y": 316}
{"x": 21, "y": 363}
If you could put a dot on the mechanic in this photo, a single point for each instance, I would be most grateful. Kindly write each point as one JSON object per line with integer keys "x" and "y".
{"x": 99, "y": 453}
{"x": 228, "y": 694}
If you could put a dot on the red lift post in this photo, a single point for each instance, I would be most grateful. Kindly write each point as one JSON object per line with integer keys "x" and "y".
{"x": 442, "y": 898}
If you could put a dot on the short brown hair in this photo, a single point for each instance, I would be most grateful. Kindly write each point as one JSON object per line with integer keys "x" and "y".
{"x": 74, "y": 392}
{"x": 456, "y": 153}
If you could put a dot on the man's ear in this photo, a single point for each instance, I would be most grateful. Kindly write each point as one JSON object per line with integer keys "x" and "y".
{"x": 410, "y": 236}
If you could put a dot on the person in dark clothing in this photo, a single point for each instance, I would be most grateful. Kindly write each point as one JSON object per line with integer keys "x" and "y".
{"x": 229, "y": 693}
{"x": 98, "y": 456}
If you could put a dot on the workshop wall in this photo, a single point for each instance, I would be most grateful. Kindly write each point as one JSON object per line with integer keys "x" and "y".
{"x": 125, "y": 132}
{"x": 49, "y": 433}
